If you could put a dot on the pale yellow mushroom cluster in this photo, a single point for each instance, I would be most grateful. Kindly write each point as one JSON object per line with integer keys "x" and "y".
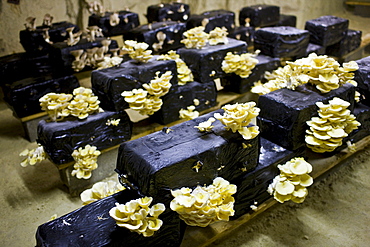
{"x": 322, "y": 71}
{"x": 184, "y": 74}
{"x": 206, "y": 126}
{"x": 327, "y": 131}
{"x": 237, "y": 117}
{"x": 292, "y": 182}
{"x": 205, "y": 205}
{"x": 137, "y": 50}
{"x": 195, "y": 38}
{"x": 99, "y": 191}
{"x": 137, "y": 216}
{"x": 85, "y": 161}
{"x": 84, "y": 102}
{"x": 283, "y": 77}
{"x": 33, "y": 156}
{"x": 188, "y": 113}
{"x": 109, "y": 62}
{"x": 56, "y": 105}
{"x": 81, "y": 104}
{"x": 242, "y": 64}
{"x": 218, "y": 36}
{"x": 148, "y": 101}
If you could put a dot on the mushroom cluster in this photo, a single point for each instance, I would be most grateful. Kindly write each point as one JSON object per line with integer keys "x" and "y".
{"x": 242, "y": 64}
{"x": 137, "y": 216}
{"x": 96, "y": 8}
{"x": 113, "y": 122}
{"x": 184, "y": 74}
{"x": 327, "y": 131}
{"x": 283, "y": 77}
{"x": 205, "y": 205}
{"x": 99, "y": 191}
{"x": 148, "y": 101}
{"x": 292, "y": 182}
{"x": 188, "y": 113}
{"x": 33, "y": 156}
{"x": 82, "y": 103}
{"x": 322, "y": 71}
{"x": 56, "y": 105}
{"x": 85, "y": 161}
{"x": 237, "y": 117}
{"x": 218, "y": 36}
{"x": 137, "y": 51}
{"x": 97, "y": 57}
{"x": 195, "y": 38}
{"x": 206, "y": 126}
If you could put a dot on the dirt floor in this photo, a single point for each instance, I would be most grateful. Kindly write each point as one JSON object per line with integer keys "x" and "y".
{"x": 335, "y": 213}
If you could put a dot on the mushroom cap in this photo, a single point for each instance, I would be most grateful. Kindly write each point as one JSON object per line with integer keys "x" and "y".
{"x": 284, "y": 188}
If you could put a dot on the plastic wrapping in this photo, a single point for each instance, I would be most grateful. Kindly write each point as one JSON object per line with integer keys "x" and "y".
{"x": 327, "y": 30}
{"x": 284, "y": 112}
{"x": 260, "y": 15}
{"x": 127, "y": 21}
{"x": 205, "y": 63}
{"x": 175, "y": 11}
{"x": 235, "y": 83}
{"x": 148, "y": 33}
{"x": 165, "y": 160}
{"x": 23, "y": 96}
{"x": 108, "y": 84}
{"x": 281, "y": 41}
{"x": 91, "y": 225}
{"x": 61, "y": 138}
{"x": 34, "y": 42}
{"x": 182, "y": 97}
{"x": 212, "y": 19}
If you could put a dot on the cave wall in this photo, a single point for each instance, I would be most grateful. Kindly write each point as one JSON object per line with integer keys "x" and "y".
{"x": 13, "y": 14}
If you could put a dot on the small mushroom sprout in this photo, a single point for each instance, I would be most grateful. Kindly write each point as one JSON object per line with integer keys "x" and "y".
{"x": 188, "y": 113}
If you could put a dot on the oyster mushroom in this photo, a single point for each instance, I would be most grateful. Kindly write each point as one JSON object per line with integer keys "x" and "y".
{"x": 30, "y": 24}
{"x": 161, "y": 37}
{"x": 105, "y": 43}
{"x": 46, "y": 35}
{"x": 114, "y": 19}
{"x": 47, "y": 21}
{"x": 92, "y": 33}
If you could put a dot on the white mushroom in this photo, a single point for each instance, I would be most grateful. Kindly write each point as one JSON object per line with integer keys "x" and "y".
{"x": 47, "y": 21}
{"x": 114, "y": 19}
{"x": 30, "y": 24}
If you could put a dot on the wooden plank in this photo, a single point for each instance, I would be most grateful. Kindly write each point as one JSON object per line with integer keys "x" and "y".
{"x": 357, "y": 3}
{"x": 198, "y": 236}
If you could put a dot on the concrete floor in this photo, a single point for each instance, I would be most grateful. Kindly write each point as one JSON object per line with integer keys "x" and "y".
{"x": 336, "y": 214}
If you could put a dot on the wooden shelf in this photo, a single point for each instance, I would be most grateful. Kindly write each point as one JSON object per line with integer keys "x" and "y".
{"x": 202, "y": 237}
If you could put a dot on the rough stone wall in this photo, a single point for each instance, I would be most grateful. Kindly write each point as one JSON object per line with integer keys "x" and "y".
{"x": 12, "y": 16}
